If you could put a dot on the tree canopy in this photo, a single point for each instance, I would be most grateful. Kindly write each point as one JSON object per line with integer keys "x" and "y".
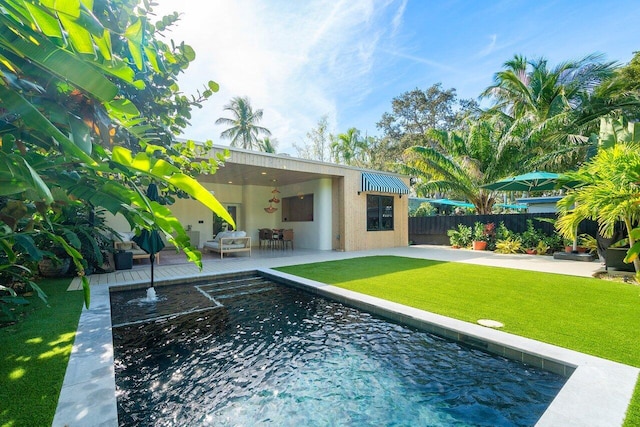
{"x": 553, "y": 113}
{"x": 413, "y": 114}
{"x": 458, "y": 164}
{"x": 317, "y": 144}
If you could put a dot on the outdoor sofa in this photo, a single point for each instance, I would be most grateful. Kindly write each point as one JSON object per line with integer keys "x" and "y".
{"x": 227, "y": 242}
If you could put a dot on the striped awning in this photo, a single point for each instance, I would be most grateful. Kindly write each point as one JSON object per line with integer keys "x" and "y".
{"x": 382, "y": 183}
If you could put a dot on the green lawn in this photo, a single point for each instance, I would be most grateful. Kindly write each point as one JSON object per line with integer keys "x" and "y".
{"x": 592, "y": 316}
{"x": 34, "y": 354}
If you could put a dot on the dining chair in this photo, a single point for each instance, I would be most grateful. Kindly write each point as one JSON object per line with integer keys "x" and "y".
{"x": 276, "y": 239}
{"x": 265, "y": 236}
{"x": 287, "y": 238}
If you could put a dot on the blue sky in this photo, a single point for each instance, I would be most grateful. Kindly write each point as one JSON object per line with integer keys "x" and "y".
{"x": 300, "y": 60}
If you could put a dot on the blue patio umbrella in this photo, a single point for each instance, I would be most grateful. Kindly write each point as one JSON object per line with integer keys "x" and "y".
{"x": 149, "y": 240}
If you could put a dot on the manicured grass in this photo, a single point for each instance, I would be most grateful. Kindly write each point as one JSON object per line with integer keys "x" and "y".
{"x": 592, "y": 316}
{"x": 34, "y": 354}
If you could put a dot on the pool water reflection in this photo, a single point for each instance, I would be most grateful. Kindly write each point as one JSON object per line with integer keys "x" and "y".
{"x": 249, "y": 351}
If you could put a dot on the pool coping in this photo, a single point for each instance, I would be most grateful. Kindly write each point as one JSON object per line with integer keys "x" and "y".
{"x": 597, "y": 393}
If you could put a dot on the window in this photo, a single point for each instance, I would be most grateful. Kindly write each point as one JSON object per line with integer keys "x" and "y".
{"x": 379, "y": 212}
{"x": 297, "y": 208}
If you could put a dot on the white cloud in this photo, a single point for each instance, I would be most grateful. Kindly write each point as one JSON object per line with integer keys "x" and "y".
{"x": 490, "y": 47}
{"x": 295, "y": 60}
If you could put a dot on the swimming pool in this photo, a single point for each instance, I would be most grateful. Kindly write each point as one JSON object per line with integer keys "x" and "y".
{"x": 249, "y": 351}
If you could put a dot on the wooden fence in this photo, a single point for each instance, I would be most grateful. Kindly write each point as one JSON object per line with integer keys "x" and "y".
{"x": 432, "y": 230}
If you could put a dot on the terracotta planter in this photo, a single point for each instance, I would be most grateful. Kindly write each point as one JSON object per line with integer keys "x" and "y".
{"x": 479, "y": 245}
{"x": 530, "y": 251}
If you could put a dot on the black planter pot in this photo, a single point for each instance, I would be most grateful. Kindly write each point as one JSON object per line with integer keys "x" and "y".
{"x": 123, "y": 260}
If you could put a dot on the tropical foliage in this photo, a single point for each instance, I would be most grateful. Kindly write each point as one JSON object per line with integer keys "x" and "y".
{"x": 425, "y": 209}
{"x": 542, "y": 118}
{"x": 413, "y": 114}
{"x": 317, "y": 143}
{"x": 610, "y": 192}
{"x": 509, "y": 246}
{"x": 244, "y": 131}
{"x": 268, "y": 145}
{"x": 349, "y": 148}
{"x": 552, "y": 113}
{"x": 89, "y": 107}
{"x": 458, "y": 164}
{"x": 460, "y": 237}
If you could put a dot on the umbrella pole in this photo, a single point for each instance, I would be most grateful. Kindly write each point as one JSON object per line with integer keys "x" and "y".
{"x": 152, "y": 258}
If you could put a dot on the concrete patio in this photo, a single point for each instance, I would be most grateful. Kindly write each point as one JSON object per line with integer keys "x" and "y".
{"x": 175, "y": 266}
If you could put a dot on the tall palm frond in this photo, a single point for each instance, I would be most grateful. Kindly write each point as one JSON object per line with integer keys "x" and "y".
{"x": 244, "y": 130}
{"x": 458, "y": 164}
{"x": 550, "y": 109}
{"x": 610, "y": 193}
{"x": 349, "y": 148}
{"x": 268, "y": 145}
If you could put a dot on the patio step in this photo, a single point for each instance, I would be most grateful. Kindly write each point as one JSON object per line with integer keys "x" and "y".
{"x": 234, "y": 287}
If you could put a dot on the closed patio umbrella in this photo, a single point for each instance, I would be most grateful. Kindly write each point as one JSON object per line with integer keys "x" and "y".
{"x": 149, "y": 240}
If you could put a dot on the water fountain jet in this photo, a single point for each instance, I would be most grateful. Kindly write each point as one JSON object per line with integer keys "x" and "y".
{"x": 151, "y": 295}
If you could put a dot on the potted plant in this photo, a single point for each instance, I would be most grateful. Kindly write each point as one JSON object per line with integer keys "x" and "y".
{"x": 460, "y": 237}
{"x": 530, "y": 238}
{"x": 55, "y": 261}
{"x": 480, "y": 237}
{"x": 509, "y": 245}
{"x": 454, "y": 238}
{"x": 587, "y": 243}
{"x": 542, "y": 248}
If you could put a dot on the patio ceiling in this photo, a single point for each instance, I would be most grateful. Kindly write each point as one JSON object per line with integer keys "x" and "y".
{"x": 239, "y": 174}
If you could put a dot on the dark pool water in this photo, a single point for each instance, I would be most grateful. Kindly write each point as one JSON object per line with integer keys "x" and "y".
{"x": 245, "y": 353}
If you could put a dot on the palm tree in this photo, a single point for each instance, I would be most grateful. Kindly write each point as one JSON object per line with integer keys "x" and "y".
{"x": 349, "y": 148}
{"x": 551, "y": 110}
{"x": 268, "y": 145}
{"x": 610, "y": 193}
{"x": 244, "y": 130}
{"x": 458, "y": 164}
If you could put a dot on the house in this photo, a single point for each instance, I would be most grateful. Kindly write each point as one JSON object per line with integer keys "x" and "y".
{"x": 329, "y": 206}
{"x": 546, "y": 204}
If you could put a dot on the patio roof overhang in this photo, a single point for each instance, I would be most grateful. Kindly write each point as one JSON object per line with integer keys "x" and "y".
{"x": 246, "y": 167}
{"x": 244, "y": 174}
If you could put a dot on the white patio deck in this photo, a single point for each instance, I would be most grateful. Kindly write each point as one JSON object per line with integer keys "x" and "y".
{"x": 174, "y": 266}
